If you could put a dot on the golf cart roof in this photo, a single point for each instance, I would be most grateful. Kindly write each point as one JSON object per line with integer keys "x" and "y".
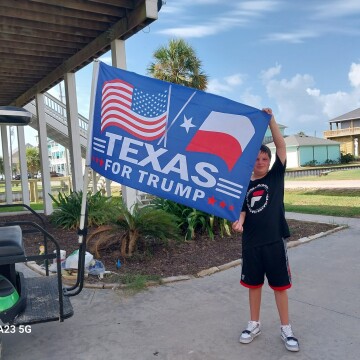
{"x": 14, "y": 116}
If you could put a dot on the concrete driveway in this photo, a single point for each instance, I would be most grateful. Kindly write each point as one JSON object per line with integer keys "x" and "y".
{"x": 201, "y": 319}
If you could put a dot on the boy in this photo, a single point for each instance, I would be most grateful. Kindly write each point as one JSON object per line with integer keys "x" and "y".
{"x": 264, "y": 227}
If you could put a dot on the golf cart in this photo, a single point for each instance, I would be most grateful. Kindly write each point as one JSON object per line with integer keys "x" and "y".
{"x": 30, "y": 300}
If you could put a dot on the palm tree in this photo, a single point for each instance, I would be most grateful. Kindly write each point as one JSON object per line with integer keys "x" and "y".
{"x": 178, "y": 63}
{"x": 129, "y": 226}
{"x": 33, "y": 159}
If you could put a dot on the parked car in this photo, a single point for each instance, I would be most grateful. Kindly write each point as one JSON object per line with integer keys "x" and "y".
{"x": 18, "y": 177}
{"x": 55, "y": 174}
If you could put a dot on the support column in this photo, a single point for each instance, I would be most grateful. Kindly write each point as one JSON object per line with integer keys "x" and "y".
{"x": 74, "y": 131}
{"x": 23, "y": 166}
{"x": 118, "y": 56}
{"x": 44, "y": 154}
{"x": 94, "y": 181}
{"x": 7, "y": 165}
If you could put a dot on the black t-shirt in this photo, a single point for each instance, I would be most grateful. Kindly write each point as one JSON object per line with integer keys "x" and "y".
{"x": 265, "y": 221}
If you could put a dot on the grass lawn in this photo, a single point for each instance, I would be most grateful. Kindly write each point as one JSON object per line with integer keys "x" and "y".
{"x": 34, "y": 206}
{"x": 333, "y": 202}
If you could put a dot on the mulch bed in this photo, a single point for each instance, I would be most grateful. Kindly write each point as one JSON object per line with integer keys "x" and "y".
{"x": 186, "y": 258}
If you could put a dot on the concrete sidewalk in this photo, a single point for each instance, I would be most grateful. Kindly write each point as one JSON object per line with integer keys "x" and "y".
{"x": 201, "y": 319}
{"x": 322, "y": 184}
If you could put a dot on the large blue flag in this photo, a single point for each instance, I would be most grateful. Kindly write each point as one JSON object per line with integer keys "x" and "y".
{"x": 175, "y": 142}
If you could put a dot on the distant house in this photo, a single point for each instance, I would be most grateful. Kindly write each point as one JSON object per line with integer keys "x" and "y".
{"x": 268, "y": 136}
{"x": 302, "y": 150}
{"x": 346, "y": 129}
{"x": 58, "y": 157}
{"x": 15, "y": 160}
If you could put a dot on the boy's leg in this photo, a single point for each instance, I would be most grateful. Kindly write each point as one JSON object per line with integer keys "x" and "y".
{"x": 253, "y": 328}
{"x": 255, "y": 302}
{"x": 252, "y": 277}
{"x": 282, "y": 303}
{"x": 287, "y": 335}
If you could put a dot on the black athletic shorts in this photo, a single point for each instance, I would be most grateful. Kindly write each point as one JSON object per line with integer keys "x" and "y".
{"x": 266, "y": 260}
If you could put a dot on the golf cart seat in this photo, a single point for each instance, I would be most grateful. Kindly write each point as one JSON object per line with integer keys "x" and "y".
{"x": 11, "y": 248}
{"x": 11, "y": 242}
{"x": 41, "y": 298}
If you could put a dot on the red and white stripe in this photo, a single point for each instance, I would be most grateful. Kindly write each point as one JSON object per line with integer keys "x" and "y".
{"x": 116, "y": 110}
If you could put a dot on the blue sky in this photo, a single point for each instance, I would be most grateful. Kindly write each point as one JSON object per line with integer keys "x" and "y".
{"x": 302, "y": 58}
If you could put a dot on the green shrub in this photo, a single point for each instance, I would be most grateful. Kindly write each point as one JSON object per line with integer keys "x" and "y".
{"x": 192, "y": 221}
{"x": 311, "y": 163}
{"x": 346, "y": 158}
{"x": 145, "y": 223}
{"x": 101, "y": 209}
{"x": 330, "y": 162}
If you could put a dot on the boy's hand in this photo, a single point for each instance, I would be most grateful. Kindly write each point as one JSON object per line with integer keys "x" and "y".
{"x": 267, "y": 110}
{"x": 237, "y": 226}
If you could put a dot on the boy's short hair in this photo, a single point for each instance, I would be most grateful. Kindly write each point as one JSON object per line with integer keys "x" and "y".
{"x": 266, "y": 150}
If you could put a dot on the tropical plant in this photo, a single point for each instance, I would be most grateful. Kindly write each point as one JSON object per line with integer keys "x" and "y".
{"x": 221, "y": 225}
{"x": 33, "y": 159}
{"x": 179, "y": 64}
{"x": 134, "y": 224}
{"x": 101, "y": 209}
{"x": 192, "y": 221}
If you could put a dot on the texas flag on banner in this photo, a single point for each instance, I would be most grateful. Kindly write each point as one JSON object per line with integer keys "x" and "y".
{"x": 174, "y": 142}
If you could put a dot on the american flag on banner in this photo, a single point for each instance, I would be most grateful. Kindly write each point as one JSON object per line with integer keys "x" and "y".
{"x": 179, "y": 143}
{"x": 138, "y": 112}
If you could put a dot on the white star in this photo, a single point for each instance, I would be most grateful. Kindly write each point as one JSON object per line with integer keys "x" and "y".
{"x": 187, "y": 124}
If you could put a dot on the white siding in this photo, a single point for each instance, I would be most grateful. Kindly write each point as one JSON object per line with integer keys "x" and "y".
{"x": 292, "y": 158}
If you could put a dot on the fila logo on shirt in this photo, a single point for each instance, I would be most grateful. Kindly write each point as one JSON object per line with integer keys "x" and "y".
{"x": 257, "y": 198}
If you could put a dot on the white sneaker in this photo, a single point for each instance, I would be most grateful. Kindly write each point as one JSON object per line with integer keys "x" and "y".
{"x": 291, "y": 343}
{"x": 250, "y": 333}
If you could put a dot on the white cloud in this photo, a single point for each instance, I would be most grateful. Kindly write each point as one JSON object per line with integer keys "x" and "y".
{"x": 204, "y": 2}
{"x": 292, "y": 37}
{"x": 55, "y": 91}
{"x": 235, "y": 79}
{"x": 215, "y": 86}
{"x": 226, "y": 17}
{"x": 338, "y": 103}
{"x": 297, "y": 103}
{"x": 268, "y": 74}
{"x": 258, "y": 6}
{"x": 106, "y": 58}
{"x": 200, "y": 2}
{"x": 354, "y": 75}
{"x": 341, "y": 102}
{"x": 313, "y": 92}
{"x": 296, "y": 108}
{"x": 302, "y": 107}
{"x": 337, "y": 8}
{"x": 197, "y": 31}
{"x": 171, "y": 9}
{"x": 226, "y": 85}
{"x": 248, "y": 98}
